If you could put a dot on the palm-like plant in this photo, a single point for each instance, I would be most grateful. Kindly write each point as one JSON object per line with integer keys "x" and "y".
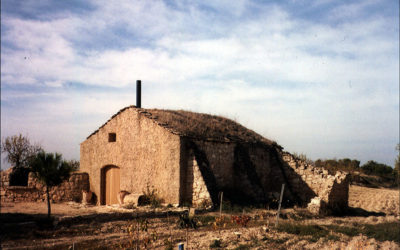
{"x": 51, "y": 170}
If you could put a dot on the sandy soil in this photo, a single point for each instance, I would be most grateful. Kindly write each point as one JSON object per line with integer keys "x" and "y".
{"x": 92, "y": 227}
{"x": 375, "y": 199}
{"x": 57, "y": 209}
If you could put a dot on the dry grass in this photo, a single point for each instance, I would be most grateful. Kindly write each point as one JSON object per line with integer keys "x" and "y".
{"x": 297, "y": 229}
{"x": 204, "y": 126}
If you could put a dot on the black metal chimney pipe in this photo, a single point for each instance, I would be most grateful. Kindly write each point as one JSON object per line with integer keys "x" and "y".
{"x": 138, "y": 94}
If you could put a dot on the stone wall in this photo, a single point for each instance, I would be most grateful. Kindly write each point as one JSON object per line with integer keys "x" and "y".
{"x": 255, "y": 173}
{"x": 146, "y": 152}
{"x": 333, "y": 190}
{"x": 191, "y": 170}
{"x": 70, "y": 190}
{"x": 196, "y": 189}
{"x": 245, "y": 172}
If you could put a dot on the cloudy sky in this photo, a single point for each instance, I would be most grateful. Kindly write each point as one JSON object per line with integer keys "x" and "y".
{"x": 319, "y": 77}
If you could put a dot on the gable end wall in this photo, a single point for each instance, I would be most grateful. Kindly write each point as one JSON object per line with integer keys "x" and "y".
{"x": 147, "y": 155}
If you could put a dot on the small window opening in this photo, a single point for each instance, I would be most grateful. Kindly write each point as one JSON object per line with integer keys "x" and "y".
{"x": 112, "y": 137}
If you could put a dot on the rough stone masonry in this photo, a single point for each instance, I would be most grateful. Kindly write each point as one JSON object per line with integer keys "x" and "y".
{"x": 69, "y": 190}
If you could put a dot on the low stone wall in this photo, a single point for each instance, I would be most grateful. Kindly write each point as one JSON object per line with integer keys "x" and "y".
{"x": 332, "y": 190}
{"x": 70, "y": 190}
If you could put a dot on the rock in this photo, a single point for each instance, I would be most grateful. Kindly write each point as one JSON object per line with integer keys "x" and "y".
{"x": 86, "y": 197}
{"x": 131, "y": 199}
{"x": 317, "y": 206}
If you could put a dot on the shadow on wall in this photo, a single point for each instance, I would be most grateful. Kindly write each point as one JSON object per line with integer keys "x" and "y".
{"x": 301, "y": 191}
{"x": 253, "y": 185}
{"x": 19, "y": 177}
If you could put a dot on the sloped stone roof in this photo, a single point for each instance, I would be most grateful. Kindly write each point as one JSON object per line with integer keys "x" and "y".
{"x": 198, "y": 126}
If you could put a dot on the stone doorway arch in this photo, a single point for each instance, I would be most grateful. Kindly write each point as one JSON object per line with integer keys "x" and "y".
{"x": 110, "y": 185}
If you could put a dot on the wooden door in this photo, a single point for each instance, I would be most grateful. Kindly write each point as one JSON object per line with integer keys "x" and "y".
{"x": 111, "y": 185}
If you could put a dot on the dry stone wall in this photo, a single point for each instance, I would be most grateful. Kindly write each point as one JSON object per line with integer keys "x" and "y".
{"x": 332, "y": 190}
{"x": 245, "y": 172}
{"x": 200, "y": 194}
{"x": 256, "y": 172}
{"x": 70, "y": 190}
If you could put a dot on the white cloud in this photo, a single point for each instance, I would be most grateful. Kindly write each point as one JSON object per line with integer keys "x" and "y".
{"x": 283, "y": 76}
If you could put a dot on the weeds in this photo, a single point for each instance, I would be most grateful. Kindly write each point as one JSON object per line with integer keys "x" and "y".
{"x": 315, "y": 231}
{"x": 216, "y": 244}
{"x": 241, "y": 220}
{"x": 150, "y": 197}
{"x": 389, "y": 231}
{"x": 332, "y": 237}
{"x": 220, "y": 222}
{"x": 169, "y": 245}
{"x": 278, "y": 241}
{"x": 185, "y": 221}
{"x": 349, "y": 231}
{"x": 135, "y": 231}
{"x": 254, "y": 239}
{"x": 228, "y": 207}
{"x": 384, "y": 231}
{"x": 205, "y": 220}
{"x": 242, "y": 247}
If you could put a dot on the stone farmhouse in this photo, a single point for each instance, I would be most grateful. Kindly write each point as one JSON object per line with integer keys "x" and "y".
{"x": 189, "y": 158}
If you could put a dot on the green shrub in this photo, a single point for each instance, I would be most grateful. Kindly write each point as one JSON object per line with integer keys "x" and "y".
{"x": 372, "y": 167}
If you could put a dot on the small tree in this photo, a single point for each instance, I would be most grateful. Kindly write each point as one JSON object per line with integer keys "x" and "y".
{"x": 51, "y": 170}
{"x": 19, "y": 152}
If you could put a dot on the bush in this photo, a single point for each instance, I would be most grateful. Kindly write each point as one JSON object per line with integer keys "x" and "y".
{"x": 150, "y": 197}
{"x": 333, "y": 165}
{"x": 372, "y": 167}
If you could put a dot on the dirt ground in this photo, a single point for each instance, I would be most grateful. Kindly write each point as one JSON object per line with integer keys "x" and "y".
{"x": 375, "y": 199}
{"x": 371, "y": 225}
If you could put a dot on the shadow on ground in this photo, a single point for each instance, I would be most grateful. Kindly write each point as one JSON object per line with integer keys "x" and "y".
{"x": 356, "y": 211}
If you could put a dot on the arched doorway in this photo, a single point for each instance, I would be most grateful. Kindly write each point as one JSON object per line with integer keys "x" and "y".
{"x": 110, "y": 177}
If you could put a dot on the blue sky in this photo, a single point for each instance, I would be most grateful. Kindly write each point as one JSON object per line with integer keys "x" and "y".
{"x": 319, "y": 77}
